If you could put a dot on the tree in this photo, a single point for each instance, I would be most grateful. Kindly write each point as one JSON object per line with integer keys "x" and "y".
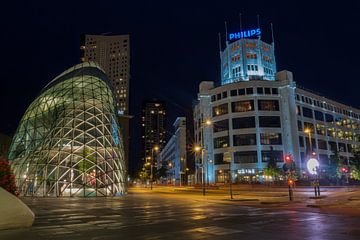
{"x": 272, "y": 169}
{"x": 335, "y": 166}
{"x": 289, "y": 168}
{"x": 355, "y": 165}
{"x": 7, "y": 179}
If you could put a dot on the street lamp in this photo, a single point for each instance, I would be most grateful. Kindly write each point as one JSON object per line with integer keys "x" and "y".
{"x": 156, "y": 148}
{"x": 198, "y": 149}
{"x": 228, "y": 158}
{"x": 308, "y": 131}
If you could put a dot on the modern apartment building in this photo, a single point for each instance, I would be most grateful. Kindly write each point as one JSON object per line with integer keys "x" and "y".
{"x": 153, "y": 122}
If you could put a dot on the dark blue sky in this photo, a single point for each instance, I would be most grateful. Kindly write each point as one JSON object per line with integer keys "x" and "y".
{"x": 174, "y": 46}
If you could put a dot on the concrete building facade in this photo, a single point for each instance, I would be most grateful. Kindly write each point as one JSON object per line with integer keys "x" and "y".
{"x": 174, "y": 155}
{"x": 255, "y": 118}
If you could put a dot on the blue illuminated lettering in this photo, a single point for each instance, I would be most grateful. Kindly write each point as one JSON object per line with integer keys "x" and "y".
{"x": 245, "y": 34}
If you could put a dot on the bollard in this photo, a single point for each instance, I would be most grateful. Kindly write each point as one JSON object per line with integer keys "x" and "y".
{"x": 290, "y": 193}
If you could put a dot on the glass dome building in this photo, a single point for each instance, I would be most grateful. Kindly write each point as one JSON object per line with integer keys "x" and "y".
{"x": 68, "y": 142}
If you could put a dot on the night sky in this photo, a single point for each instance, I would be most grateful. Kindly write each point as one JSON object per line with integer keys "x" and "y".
{"x": 174, "y": 46}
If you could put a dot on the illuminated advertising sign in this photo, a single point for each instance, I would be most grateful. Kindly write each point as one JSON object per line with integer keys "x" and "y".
{"x": 244, "y": 34}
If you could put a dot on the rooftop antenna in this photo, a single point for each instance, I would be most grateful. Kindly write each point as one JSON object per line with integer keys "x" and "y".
{"x": 272, "y": 34}
{"x": 226, "y": 34}
{"x": 220, "y": 43}
{"x": 258, "y": 24}
{"x": 240, "y": 22}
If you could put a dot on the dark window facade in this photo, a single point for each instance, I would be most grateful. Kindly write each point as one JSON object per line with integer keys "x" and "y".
{"x": 301, "y": 141}
{"x": 244, "y": 139}
{"x": 298, "y": 111}
{"x": 219, "y": 158}
{"x": 242, "y": 91}
{"x": 319, "y": 116}
{"x": 233, "y": 92}
{"x": 332, "y": 146}
{"x": 307, "y": 112}
{"x": 244, "y": 122}
{"x": 342, "y": 147}
{"x": 275, "y": 91}
{"x": 300, "y": 128}
{"x": 220, "y": 110}
{"x": 245, "y": 157}
{"x": 268, "y": 105}
{"x": 242, "y": 106}
{"x": 221, "y": 142}
{"x": 249, "y": 91}
{"x": 270, "y": 138}
{"x": 221, "y": 125}
{"x": 267, "y": 155}
{"x": 329, "y": 118}
{"x": 269, "y": 121}
{"x": 322, "y": 144}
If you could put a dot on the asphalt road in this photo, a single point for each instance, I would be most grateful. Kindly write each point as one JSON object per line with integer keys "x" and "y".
{"x": 150, "y": 216}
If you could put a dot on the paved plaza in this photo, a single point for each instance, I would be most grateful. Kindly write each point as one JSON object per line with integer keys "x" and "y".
{"x": 159, "y": 216}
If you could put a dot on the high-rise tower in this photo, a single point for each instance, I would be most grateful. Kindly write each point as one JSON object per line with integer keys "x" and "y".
{"x": 247, "y": 59}
{"x": 153, "y": 127}
{"x": 112, "y": 53}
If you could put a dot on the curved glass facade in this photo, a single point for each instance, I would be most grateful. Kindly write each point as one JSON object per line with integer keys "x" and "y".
{"x": 68, "y": 141}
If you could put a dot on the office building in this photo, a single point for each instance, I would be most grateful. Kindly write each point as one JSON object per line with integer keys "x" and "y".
{"x": 173, "y": 157}
{"x": 250, "y": 118}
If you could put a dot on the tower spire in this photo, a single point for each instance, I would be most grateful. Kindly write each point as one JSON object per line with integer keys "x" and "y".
{"x": 240, "y": 22}
{"x": 226, "y": 34}
{"x": 258, "y": 24}
{"x": 220, "y": 43}
{"x": 272, "y": 34}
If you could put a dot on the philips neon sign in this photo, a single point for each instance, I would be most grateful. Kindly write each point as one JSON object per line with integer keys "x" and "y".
{"x": 245, "y": 34}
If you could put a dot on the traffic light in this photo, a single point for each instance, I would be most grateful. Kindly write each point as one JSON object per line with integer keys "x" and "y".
{"x": 344, "y": 170}
{"x": 290, "y": 181}
{"x": 287, "y": 158}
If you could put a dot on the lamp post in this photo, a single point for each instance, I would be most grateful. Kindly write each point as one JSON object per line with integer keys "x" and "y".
{"x": 156, "y": 148}
{"x": 308, "y": 131}
{"x": 198, "y": 149}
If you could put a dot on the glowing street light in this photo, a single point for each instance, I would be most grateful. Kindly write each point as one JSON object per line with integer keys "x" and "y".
{"x": 155, "y": 148}
{"x": 312, "y": 165}
{"x": 197, "y": 148}
{"x": 208, "y": 122}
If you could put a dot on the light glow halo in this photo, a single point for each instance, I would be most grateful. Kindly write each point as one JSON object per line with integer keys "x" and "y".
{"x": 312, "y": 165}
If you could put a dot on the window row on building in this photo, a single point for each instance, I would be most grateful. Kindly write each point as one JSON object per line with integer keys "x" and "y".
{"x": 323, "y": 144}
{"x": 248, "y": 140}
{"x": 328, "y": 118}
{"x": 327, "y": 106}
{"x": 245, "y": 91}
{"x": 246, "y": 106}
{"x": 250, "y": 157}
